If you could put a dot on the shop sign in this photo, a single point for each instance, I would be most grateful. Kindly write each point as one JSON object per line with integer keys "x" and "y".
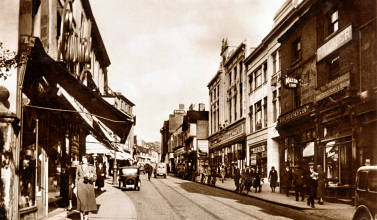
{"x": 253, "y": 159}
{"x": 336, "y": 42}
{"x": 333, "y": 87}
{"x": 290, "y": 82}
{"x": 299, "y": 112}
{"x": 203, "y": 146}
{"x": 229, "y": 135}
{"x": 171, "y": 155}
{"x": 258, "y": 149}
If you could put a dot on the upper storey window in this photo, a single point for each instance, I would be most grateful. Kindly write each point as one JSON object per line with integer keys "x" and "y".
{"x": 333, "y": 21}
{"x": 296, "y": 49}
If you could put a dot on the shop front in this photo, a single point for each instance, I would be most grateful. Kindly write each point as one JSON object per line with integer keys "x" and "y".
{"x": 298, "y": 134}
{"x": 228, "y": 147}
{"x": 258, "y": 158}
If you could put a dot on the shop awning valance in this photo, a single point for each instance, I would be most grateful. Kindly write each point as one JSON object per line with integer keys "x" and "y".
{"x": 113, "y": 118}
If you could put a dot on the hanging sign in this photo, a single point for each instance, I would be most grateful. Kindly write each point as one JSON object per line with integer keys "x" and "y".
{"x": 290, "y": 82}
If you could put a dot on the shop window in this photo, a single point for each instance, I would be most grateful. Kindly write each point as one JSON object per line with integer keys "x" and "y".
{"x": 372, "y": 180}
{"x": 333, "y": 22}
{"x": 296, "y": 49}
{"x": 258, "y": 78}
{"x": 27, "y": 178}
{"x": 258, "y": 115}
{"x": 332, "y": 163}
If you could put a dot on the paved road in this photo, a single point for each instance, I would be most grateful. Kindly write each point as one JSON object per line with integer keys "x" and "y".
{"x": 174, "y": 198}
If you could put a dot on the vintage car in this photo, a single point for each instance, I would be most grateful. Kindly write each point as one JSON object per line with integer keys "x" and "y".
{"x": 160, "y": 170}
{"x": 366, "y": 193}
{"x": 129, "y": 177}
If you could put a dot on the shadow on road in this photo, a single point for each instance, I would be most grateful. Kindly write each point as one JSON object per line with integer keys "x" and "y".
{"x": 266, "y": 207}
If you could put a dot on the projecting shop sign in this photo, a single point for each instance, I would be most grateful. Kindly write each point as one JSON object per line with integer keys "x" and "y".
{"x": 336, "y": 42}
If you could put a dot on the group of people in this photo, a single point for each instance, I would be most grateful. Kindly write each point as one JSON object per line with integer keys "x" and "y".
{"x": 82, "y": 179}
{"x": 309, "y": 182}
{"x": 249, "y": 177}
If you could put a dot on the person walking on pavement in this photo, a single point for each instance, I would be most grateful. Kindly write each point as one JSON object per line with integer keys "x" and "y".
{"x": 321, "y": 184}
{"x": 298, "y": 181}
{"x": 256, "y": 183}
{"x": 286, "y": 180}
{"x": 249, "y": 180}
{"x": 273, "y": 177}
{"x": 222, "y": 173}
{"x": 100, "y": 171}
{"x": 312, "y": 185}
{"x": 85, "y": 176}
{"x": 237, "y": 176}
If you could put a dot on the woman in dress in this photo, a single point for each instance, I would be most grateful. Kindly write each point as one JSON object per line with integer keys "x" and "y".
{"x": 85, "y": 177}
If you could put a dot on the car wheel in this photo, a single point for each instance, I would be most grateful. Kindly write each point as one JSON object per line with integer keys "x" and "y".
{"x": 363, "y": 216}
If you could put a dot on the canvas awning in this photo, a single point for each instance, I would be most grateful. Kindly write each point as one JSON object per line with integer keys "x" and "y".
{"x": 113, "y": 118}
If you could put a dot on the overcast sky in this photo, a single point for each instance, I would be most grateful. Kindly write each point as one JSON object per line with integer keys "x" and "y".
{"x": 164, "y": 52}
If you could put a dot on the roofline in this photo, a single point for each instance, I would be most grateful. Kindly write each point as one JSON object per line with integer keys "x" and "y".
{"x": 276, "y": 29}
{"x": 236, "y": 51}
{"x": 213, "y": 78}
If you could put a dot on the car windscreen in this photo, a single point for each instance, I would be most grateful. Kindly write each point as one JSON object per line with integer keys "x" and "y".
{"x": 129, "y": 171}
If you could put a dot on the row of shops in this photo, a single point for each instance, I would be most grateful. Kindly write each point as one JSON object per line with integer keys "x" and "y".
{"x": 52, "y": 103}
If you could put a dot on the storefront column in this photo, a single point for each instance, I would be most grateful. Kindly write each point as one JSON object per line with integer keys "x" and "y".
{"x": 9, "y": 183}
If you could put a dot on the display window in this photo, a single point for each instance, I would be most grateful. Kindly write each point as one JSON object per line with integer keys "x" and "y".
{"x": 338, "y": 162}
{"x": 27, "y": 177}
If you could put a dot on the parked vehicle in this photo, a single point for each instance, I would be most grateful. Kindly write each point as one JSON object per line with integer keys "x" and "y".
{"x": 129, "y": 177}
{"x": 366, "y": 193}
{"x": 160, "y": 170}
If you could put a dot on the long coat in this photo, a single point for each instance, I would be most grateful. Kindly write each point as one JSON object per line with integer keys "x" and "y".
{"x": 86, "y": 200}
{"x": 321, "y": 183}
{"x": 286, "y": 178}
{"x": 100, "y": 182}
{"x": 273, "y": 176}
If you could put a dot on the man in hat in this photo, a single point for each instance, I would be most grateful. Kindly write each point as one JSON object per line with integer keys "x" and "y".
{"x": 298, "y": 182}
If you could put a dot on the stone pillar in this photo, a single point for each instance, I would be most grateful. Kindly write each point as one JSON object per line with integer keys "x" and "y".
{"x": 8, "y": 156}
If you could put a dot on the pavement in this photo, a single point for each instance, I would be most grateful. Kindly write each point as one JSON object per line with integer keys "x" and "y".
{"x": 332, "y": 210}
{"x": 112, "y": 204}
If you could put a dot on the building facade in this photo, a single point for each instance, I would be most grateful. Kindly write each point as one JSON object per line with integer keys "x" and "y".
{"x": 56, "y": 95}
{"x": 227, "y": 134}
{"x": 328, "y": 62}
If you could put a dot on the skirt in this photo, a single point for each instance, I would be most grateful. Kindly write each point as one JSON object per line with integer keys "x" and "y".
{"x": 86, "y": 199}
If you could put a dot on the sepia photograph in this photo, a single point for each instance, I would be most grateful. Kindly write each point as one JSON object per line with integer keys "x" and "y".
{"x": 188, "y": 109}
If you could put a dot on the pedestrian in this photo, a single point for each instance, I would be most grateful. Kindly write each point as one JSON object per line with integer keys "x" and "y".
{"x": 149, "y": 170}
{"x": 237, "y": 176}
{"x": 298, "y": 181}
{"x": 321, "y": 184}
{"x": 256, "y": 182}
{"x": 222, "y": 173}
{"x": 100, "y": 171}
{"x": 286, "y": 180}
{"x": 249, "y": 180}
{"x": 242, "y": 181}
{"x": 85, "y": 176}
{"x": 311, "y": 185}
{"x": 273, "y": 177}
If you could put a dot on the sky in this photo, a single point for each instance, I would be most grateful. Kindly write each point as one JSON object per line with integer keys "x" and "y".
{"x": 164, "y": 52}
